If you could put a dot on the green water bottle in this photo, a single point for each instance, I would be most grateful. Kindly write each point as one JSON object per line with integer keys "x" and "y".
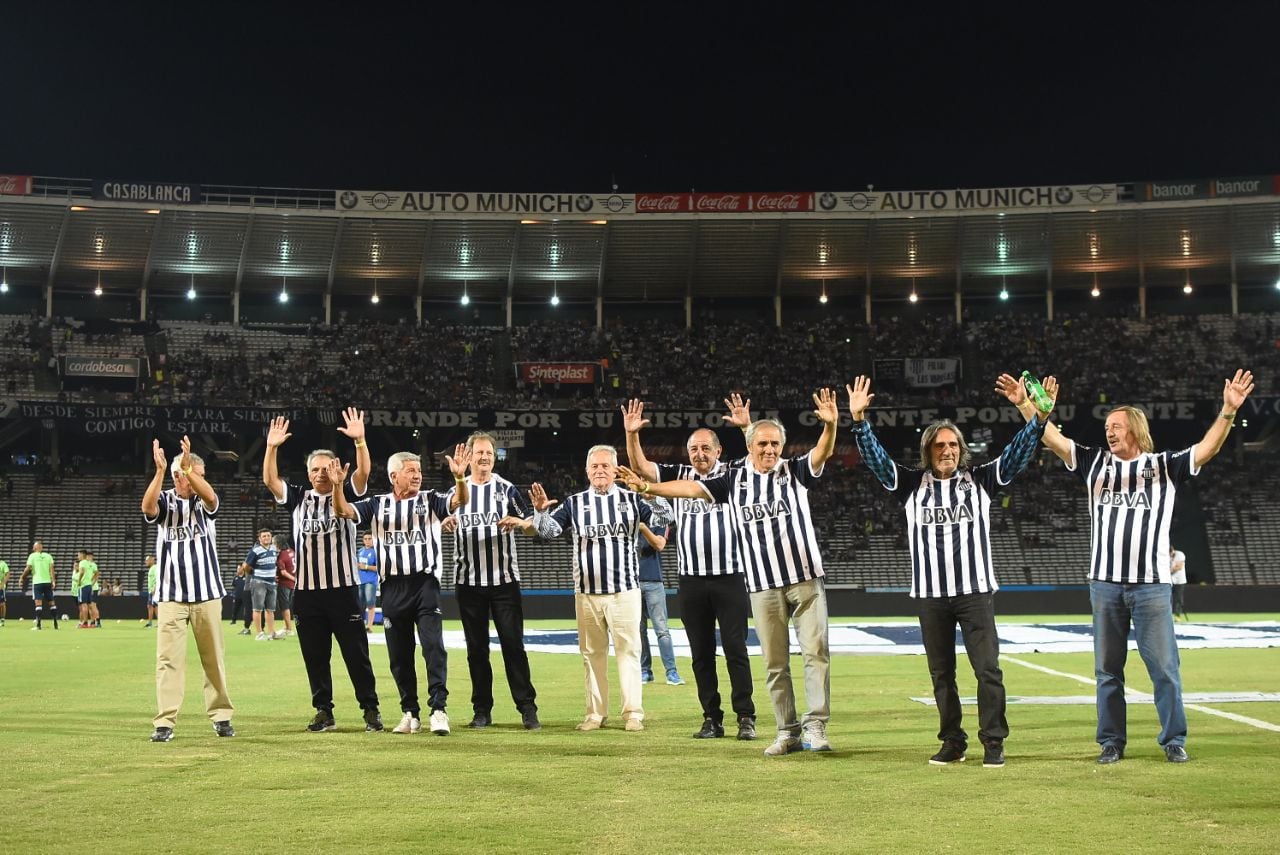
{"x": 1036, "y": 393}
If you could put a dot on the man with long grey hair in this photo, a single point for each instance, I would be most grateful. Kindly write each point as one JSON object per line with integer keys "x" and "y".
{"x": 948, "y": 507}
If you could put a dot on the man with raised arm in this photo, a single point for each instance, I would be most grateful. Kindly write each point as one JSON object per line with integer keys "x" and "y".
{"x": 189, "y": 590}
{"x": 953, "y": 580}
{"x": 604, "y": 521}
{"x": 326, "y": 605}
{"x": 405, "y": 524}
{"x": 712, "y": 589}
{"x": 769, "y": 502}
{"x": 1131, "y": 489}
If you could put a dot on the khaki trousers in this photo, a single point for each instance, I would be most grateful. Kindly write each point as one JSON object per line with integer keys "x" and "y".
{"x": 205, "y": 620}
{"x": 804, "y": 606}
{"x": 601, "y": 616}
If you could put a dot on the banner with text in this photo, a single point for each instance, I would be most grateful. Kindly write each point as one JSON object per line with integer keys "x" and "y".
{"x": 99, "y": 366}
{"x": 16, "y": 185}
{"x": 929, "y": 373}
{"x": 150, "y": 419}
{"x": 988, "y": 200}
{"x": 557, "y": 372}
{"x": 148, "y": 192}
{"x": 529, "y": 205}
{"x": 723, "y": 203}
{"x": 1209, "y": 188}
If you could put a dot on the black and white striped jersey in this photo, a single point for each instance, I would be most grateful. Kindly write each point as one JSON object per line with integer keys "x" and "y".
{"x": 324, "y": 544}
{"x": 186, "y": 550}
{"x": 406, "y": 532}
{"x": 604, "y": 528}
{"x": 949, "y": 519}
{"x": 482, "y": 554}
{"x": 1130, "y": 510}
{"x": 777, "y": 543}
{"x": 706, "y": 537}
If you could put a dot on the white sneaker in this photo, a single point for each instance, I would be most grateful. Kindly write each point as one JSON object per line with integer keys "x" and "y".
{"x": 410, "y": 724}
{"x": 784, "y": 744}
{"x": 262, "y": 636}
{"x": 814, "y": 736}
{"x": 277, "y": 635}
{"x": 439, "y": 723}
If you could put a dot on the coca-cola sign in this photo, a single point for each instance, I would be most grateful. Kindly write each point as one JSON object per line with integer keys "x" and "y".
{"x": 15, "y": 185}
{"x": 662, "y": 203}
{"x": 558, "y": 372}
{"x": 781, "y": 202}
{"x": 723, "y": 203}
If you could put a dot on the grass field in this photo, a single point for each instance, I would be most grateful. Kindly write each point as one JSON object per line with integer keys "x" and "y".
{"x": 75, "y": 709}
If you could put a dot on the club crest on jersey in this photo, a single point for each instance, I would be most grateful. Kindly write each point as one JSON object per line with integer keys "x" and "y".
{"x": 1123, "y": 499}
{"x": 964, "y": 486}
{"x": 765, "y": 510}
{"x": 1149, "y": 473}
{"x": 945, "y": 516}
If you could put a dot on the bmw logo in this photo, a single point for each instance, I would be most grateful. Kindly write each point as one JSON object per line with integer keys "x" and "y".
{"x": 583, "y": 203}
{"x": 827, "y": 201}
{"x": 1063, "y": 195}
{"x": 348, "y": 199}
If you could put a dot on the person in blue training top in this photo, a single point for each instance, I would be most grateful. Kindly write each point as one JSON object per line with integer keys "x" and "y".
{"x": 653, "y": 605}
{"x": 367, "y": 564}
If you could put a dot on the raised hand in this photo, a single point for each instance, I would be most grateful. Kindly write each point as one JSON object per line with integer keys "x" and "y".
{"x": 860, "y": 396}
{"x": 538, "y": 498}
{"x": 630, "y": 479}
{"x": 355, "y": 423}
{"x": 337, "y": 472}
{"x": 185, "y": 463}
{"x": 278, "y": 432}
{"x": 1012, "y": 388}
{"x": 633, "y": 416}
{"x": 825, "y": 407}
{"x": 739, "y": 411}
{"x": 1235, "y": 390}
{"x": 460, "y": 460}
{"x": 157, "y": 454}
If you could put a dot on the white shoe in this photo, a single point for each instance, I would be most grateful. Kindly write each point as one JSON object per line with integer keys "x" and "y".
{"x": 786, "y": 743}
{"x": 814, "y": 736}
{"x": 262, "y": 636}
{"x": 277, "y": 635}
{"x": 410, "y": 724}
{"x": 439, "y": 723}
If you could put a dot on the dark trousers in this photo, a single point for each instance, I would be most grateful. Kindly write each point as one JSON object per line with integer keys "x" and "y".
{"x": 321, "y": 616}
{"x": 476, "y": 603}
{"x": 241, "y": 600}
{"x": 976, "y": 616}
{"x": 1179, "y": 610}
{"x": 704, "y": 602}
{"x": 410, "y": 602}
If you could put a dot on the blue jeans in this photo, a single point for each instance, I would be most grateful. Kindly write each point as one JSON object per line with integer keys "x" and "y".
{"x": 1147, "y": 607}
{"x": 654, "y": 607}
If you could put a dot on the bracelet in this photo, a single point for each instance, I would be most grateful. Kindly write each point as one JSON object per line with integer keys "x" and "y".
{"x": 1230, "y": 418}
{"x": 458, "y": 480}
{"x": 360, "y": 443}
{"x": 186, "y": 470}
{"x": 644, "y": 487}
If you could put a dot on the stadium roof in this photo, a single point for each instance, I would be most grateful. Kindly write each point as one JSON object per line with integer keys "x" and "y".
{"x": 65, "y": 234}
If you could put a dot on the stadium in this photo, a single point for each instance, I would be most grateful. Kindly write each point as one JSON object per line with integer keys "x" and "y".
{"x": 206, "y": 311}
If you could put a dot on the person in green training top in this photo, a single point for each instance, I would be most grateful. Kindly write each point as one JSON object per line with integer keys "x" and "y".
{"x": 83, "y": 580}
{"x": 43, "y": 578}
{"x": 95, "y": 619}
{"x": 4, "y": 583}
{"x": 153, "y": 579}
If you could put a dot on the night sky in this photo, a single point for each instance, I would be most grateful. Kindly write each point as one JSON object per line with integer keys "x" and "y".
{"x": 663, "y": 98}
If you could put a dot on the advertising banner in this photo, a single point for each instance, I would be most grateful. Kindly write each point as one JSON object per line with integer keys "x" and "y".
{"x": 993, "y": 200}
{"x": 557, "y": 372}
{"x": 149, "y": 192}
{"x": 16, "y": 185}
{"x": 513, "y": 205}
{"x": 98, "y": 366}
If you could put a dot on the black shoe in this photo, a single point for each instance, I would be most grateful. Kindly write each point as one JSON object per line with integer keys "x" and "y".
{"x": 711, "y": 729}
{"x": 162, "y": 734}
{"x": 1176, "y": 754}
{"x": 483, "y": 720}
{"x": 322, "y": 722}
{"x": 224, "y": 728}
{"x": 530, "y": 719}
{"x": 746, "y": 727}
{"x": 951, "y": 752}
{"x": 993, "y": 755}
{"x": 1111, "y": 754}
{"x": 372, "y": 721}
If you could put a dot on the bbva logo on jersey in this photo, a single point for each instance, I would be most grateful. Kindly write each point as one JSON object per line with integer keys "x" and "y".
{"x": 945, "y": 516}
{"x": 1123, "y": 499}
{"x": 765, "y": 510}
{"x": 606, "y": 530}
